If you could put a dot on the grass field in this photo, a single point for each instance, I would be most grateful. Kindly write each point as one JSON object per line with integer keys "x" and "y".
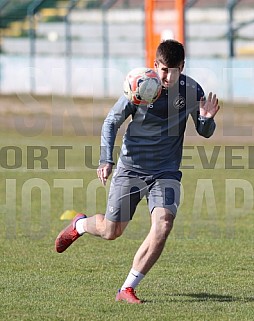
{"x": 206, "y": 271}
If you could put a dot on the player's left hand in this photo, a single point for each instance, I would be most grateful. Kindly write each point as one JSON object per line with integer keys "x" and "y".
{"x": 104, "y": 171}
{"x": 210, "y": 107}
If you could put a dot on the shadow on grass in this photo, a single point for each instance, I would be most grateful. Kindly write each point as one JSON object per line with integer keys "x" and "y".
{"x": 217, "y": 297}
{"x": 203, "y": 297}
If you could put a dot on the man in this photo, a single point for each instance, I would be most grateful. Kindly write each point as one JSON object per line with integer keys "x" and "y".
{"x": 149, "y": 163}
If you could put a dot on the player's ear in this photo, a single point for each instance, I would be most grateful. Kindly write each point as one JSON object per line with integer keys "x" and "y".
{"x": 155, "y": 64}
{"x": 182, "y": 66}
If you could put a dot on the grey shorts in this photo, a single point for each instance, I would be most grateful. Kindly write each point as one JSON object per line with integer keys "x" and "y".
{"x": 128, "y": 187}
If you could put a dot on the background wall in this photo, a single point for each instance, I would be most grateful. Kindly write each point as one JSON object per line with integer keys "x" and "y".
{"x": 103, "y": 46}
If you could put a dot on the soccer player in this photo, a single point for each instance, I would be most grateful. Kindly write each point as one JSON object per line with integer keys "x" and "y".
{"x": 149, "y": 163}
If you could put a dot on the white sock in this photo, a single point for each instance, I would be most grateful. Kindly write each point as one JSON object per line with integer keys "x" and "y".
{"x": 80, "y": 226}
{"x": 133, "y": 279}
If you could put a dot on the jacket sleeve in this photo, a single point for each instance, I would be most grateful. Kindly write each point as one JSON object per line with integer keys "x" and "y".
{"x": 204, "y": 126}
{"x": 115, "y": 118}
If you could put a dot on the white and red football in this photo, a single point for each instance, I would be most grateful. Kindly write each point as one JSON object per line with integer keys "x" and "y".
{"x": 142, "y": 86}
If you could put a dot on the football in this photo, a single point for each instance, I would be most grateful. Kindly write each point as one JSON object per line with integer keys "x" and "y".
{"x": 142, "y": 86}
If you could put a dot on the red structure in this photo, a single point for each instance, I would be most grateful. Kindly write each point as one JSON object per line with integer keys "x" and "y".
{"x": 155, "y": 30}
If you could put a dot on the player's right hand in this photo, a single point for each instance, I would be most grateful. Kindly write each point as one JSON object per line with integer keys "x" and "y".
{"x": 104, "y": 171}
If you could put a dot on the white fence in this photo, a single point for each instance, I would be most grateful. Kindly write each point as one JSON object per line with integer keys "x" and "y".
{"x": 95, "y": 66}
{"x": 230, "y": 79}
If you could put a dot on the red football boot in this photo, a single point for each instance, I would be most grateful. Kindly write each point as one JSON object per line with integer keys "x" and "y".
{"x": 67, "y": 236}
{"x": 127, "y": 295}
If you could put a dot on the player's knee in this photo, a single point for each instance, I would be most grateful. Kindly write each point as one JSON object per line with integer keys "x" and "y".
{"x": 111, "y": 235}
{"x": 163, "y": 229}
{"x": 108, "y": 236}
{"x": 167, "y": 227}
{"x": 114, "y": 230}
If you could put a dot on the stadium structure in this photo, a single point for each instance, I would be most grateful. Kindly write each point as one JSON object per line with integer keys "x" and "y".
{"x": 115, "y": 33}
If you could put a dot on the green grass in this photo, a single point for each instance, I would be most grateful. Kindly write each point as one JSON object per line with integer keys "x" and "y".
{"x": 205, "y": 272}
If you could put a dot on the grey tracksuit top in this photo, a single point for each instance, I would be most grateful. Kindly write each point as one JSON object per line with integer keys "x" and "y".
{"x": 154, "y": 137}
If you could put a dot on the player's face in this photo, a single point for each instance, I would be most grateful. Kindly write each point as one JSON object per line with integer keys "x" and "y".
{"x": 168, "y": 76}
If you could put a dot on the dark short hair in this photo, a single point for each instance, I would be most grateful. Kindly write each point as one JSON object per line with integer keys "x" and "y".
{"x": 170, "y": 53}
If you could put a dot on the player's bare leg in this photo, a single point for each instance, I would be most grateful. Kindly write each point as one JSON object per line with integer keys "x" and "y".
{"x": 147, "y": 254}
{"x": 99, "y": 225}
{"x": 150, "y": 250}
